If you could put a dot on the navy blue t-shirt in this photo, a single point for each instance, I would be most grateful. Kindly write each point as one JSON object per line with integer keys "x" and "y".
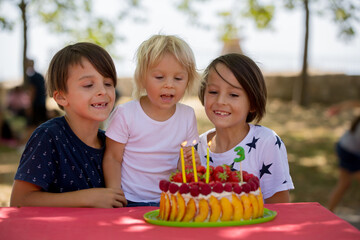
{"x": 56, "y": 160}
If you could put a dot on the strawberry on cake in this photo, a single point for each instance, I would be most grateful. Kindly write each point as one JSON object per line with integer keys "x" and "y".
{"x": 224, "y": 198}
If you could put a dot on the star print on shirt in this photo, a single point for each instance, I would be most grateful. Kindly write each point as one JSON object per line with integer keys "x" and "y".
{"x": 252, "y": 144}
{"x": 265, "y": 169}
{"x": 278, "y": 141}
{"x": 210, "y": 159}
{"x": 232, "y": 167}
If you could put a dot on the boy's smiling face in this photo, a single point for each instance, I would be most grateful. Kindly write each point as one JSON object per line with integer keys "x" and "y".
{"x": 226, "y": 102}
{"x": 89, "y": 96}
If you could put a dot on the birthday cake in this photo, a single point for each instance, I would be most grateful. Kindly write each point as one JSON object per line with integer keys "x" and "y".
{"x": 228, "y": 196}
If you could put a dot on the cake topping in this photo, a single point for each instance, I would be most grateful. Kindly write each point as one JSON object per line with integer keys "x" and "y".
{"x": 164, "y": 185}
{"x": 205, "y": 189}
{"x": 223, "y": 179}
{"x": 237, "y": 189}
{"x": 194, "y": 190}
{"x": 184, "y": 188}
{"x": 173, "y": 188}
{"x": 218, "y": 187}
{"x": 228, "y": 187}
{"x": 246, "y": 188}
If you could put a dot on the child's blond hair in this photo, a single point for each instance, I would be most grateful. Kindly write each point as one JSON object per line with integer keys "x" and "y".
{"x": 152, "y": 50}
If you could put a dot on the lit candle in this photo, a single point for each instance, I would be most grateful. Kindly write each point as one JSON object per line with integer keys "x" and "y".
{"x": 182, "y": 161}
{"x": 193, "y": 161}
{"x": 207, "y": 163}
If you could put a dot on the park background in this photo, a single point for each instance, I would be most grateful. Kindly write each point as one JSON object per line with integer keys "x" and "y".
{"x": 307, "y": 131}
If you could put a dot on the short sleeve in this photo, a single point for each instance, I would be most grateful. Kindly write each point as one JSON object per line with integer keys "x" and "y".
{"x": 118, "y": 129}
{"x": 274, "y": 168}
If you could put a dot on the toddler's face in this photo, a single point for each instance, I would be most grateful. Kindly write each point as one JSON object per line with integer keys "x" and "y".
{"x": 226, "y": 102}
{"x": 89, "y": 95}
{"x": 166, "y": 83}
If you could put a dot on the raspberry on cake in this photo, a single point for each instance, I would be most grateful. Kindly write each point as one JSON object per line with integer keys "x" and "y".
{"x": 227, "y": 199}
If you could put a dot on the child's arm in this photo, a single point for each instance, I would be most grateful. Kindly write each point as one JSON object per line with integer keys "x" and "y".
{"x": 112, "y": 161}
{"x": 279, "y": 197}
{"x": 28, "y": 194}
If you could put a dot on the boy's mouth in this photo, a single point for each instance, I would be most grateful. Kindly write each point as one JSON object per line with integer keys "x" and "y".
{"x": 221, "y": 113}
{"x": 99, "y": 105}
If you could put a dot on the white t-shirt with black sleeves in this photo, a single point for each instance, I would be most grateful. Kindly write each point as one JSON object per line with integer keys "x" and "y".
{"x": 265, "y": 157}
{"x": 152, "y": 147}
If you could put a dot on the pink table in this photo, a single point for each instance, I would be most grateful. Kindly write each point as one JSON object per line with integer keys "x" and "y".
{"x": 294, "y": 221}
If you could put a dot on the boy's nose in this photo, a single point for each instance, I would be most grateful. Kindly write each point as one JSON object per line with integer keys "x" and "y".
{"x": 101, "y": 90}
{"x": 221, "y": 99}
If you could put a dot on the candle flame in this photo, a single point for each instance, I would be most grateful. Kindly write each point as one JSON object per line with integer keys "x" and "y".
{"x": 183, "y": 144}
{"x": 194, "y": 142}
{"x": 209, "y": 143}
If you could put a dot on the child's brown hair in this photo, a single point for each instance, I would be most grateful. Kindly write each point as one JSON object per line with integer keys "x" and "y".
{"x": 248, "y": 75}
{"x": 58, "y": 71}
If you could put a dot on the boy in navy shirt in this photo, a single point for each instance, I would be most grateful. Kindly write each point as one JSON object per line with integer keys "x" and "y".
{"x": 62, "y": 162}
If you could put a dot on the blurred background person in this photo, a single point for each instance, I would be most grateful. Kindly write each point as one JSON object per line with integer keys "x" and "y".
{"x": 348, "y": 152}
{"x": 36, "y": 85}
{"x": 6, "y": 134}
{"x": 18, "y": 102}
{"x": 37, "y": 113}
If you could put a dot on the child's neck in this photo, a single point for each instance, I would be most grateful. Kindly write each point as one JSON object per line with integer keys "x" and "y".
{"x": 86, "y": 131}
{"x": 223, "y": 140}
{"x": 155, "y": 113}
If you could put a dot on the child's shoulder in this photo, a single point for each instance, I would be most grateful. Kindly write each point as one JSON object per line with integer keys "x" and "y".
{"x": 262, "y": 131}
{"x": 204, "y": 135}
{"x": 184, "y": 108}
{"x": 126, "y": 108}
{"x": 128, "y": 104}
{"x": 55, "y": 128}
{"x": 53, "y": 125}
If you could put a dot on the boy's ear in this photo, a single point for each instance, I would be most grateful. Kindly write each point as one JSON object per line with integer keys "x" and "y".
{"x": 60, "y": 98}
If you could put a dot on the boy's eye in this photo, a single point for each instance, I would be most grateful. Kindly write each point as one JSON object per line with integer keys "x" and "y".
{"x": 88, "y": 85}
{"x": 109, "y": 84}
{"x": 212, "y": 92}
{"x": 234, "y": 95}
{"x": 158, "y": 77}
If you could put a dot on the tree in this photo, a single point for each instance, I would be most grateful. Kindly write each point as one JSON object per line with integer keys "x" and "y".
{"x": 345, "y": 13}
{"x": 66, "y": 17}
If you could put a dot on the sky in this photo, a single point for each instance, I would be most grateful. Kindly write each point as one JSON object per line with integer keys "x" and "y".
{"x": 277, "y": 50}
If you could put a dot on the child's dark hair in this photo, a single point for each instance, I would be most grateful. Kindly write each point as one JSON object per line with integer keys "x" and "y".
{"x": 57, "y": 74}
{"x": 249, "y": 76}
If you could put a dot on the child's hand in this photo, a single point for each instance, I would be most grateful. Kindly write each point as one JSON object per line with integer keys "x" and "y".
{"x": 106, "y": 197}
{"x": 188, "y": 156}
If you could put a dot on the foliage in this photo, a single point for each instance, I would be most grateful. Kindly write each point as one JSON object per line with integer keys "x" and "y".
{"x": 230, "y": 15}
{"x": 344, "y": 13}
{"x": 73, "y": 19}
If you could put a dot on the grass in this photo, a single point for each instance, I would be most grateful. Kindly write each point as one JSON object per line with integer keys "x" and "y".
{"x": 308, "y": 134}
